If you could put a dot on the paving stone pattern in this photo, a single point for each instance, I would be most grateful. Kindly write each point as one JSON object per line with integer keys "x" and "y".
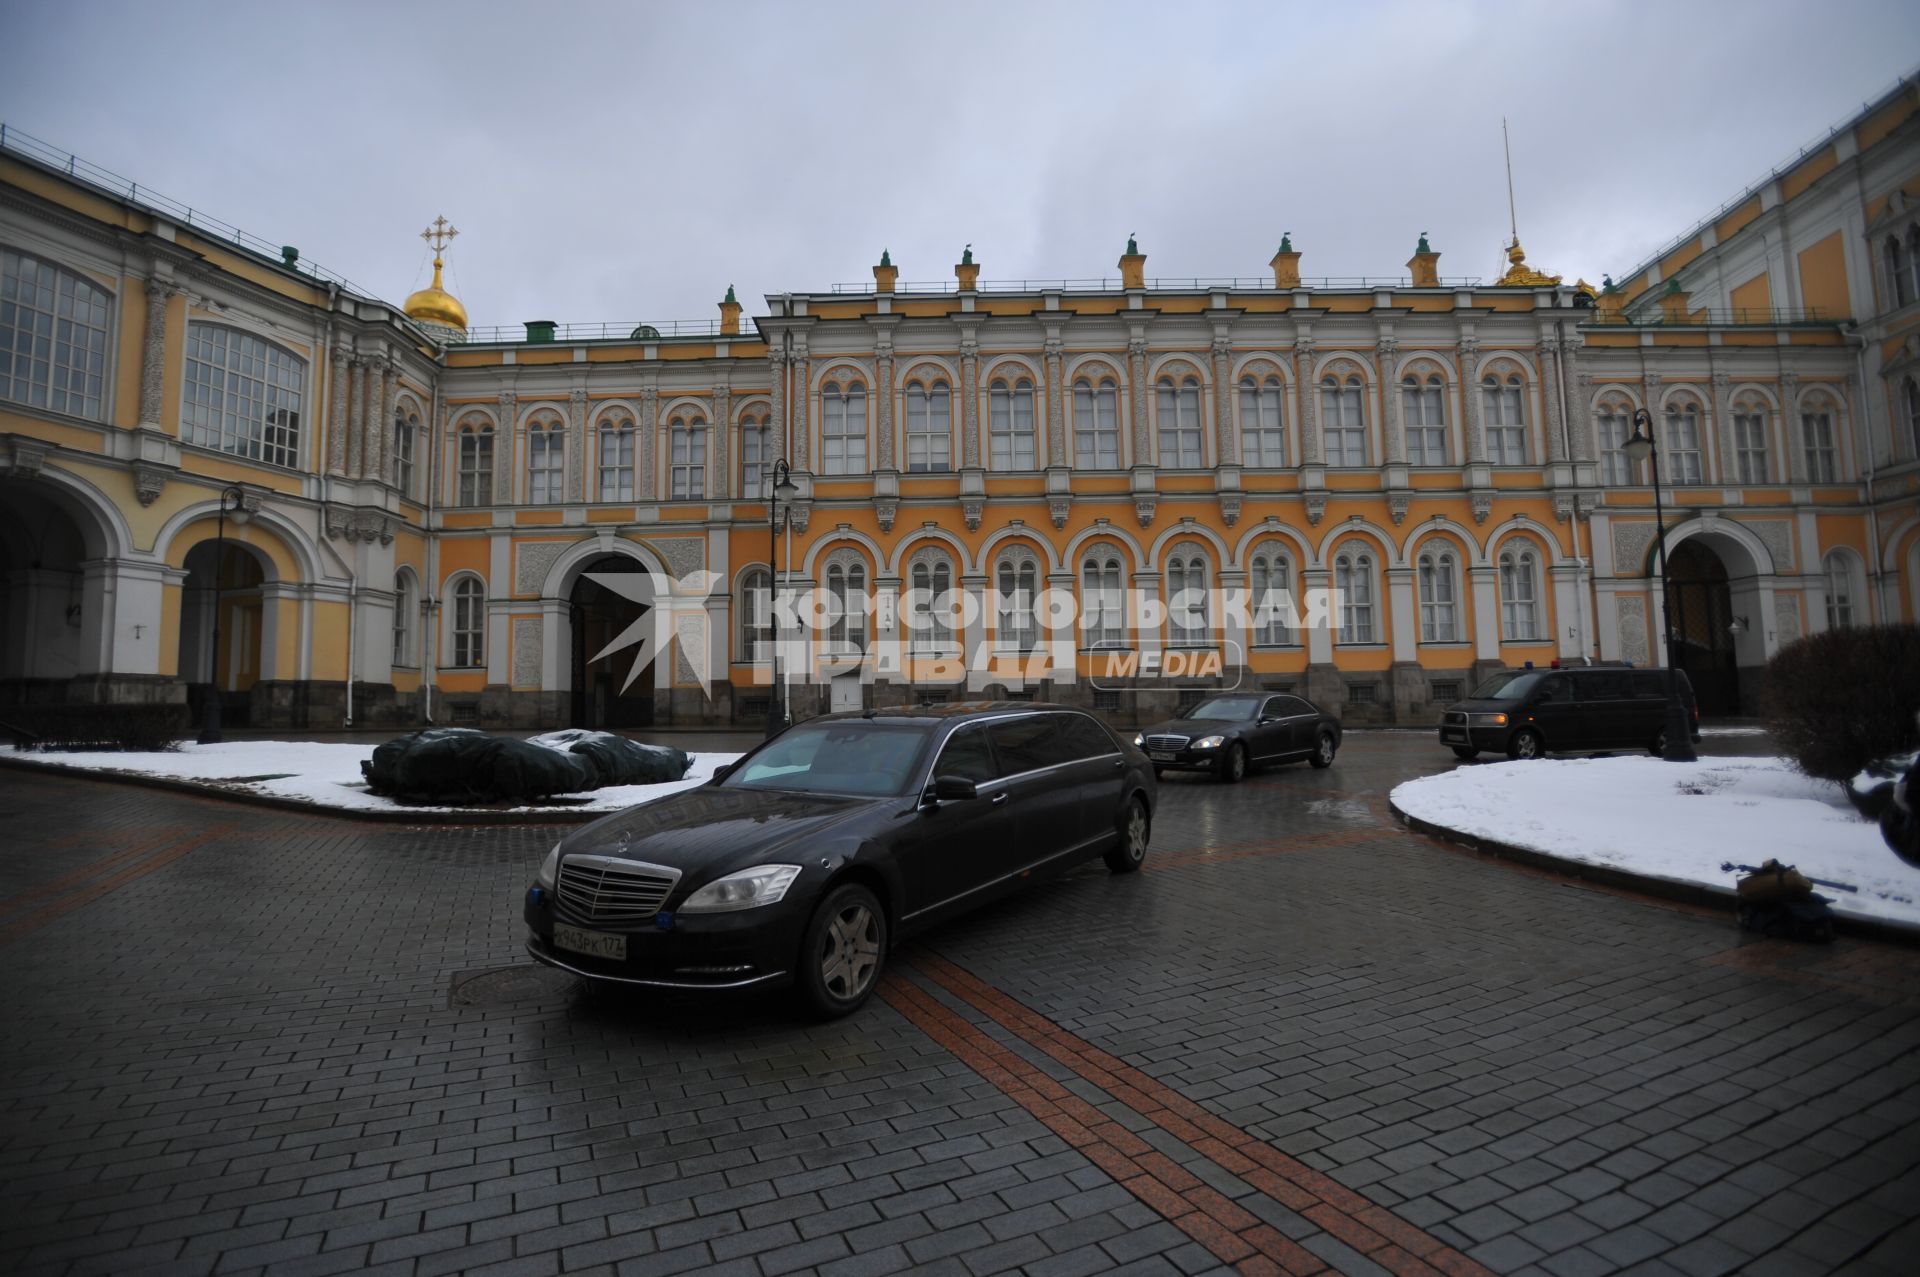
{"x": 1305, "y": 1041}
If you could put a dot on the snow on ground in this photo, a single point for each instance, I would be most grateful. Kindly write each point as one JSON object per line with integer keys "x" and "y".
{"x": 1676, "y": 821}
{"x": 329, "y": 775}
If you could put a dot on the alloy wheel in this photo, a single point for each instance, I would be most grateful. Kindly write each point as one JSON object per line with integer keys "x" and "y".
{"x": 850, "y": 952}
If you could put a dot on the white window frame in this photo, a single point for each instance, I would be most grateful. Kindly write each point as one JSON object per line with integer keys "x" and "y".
{"x": 756, "y": 636}
{"x": 1263, "y": 434}
{"x": 243, "y": 395}
{"x": 1011, "y": 436}
{"x": 406, "y": 612}
{"x": 546, "y": 462}
{"x": 1017, "y": 588}
{"x": 1685, "y": 462}
{"x": 1750, "y": 443}
{"x": 929, "y": 427}
{"x": 1188, "y": 619}
{"x": 1343, "y": 420}
{"x": 1353, "y": 581}
{"x": 1816, "y": 430}
{"x": 1439, "y": 586}
{"x": 1096, "y": 424}
{"x": 473, "y": 469}
{"x": 930, "y": 597}
{"x": 406, "y": 442}
{"x": 1270, "y": 578}
{"x": 1520, "y": 595}
{"x": 1503, "y": 401}
{"x": 617, "y": 445}
{"x": 687, "y": 459}
{"x": 753, "y": 455}
{"x": 57, "y": 358}
{"x": 1423, "y": 415}
{"x": 1103, "y": 603}
{"x": 1613, "y": 424}
{"x": 1841, "y": 589}
{"x": 847, "y": 595}
{"x": 843, "y": 427}
{"x": 468, "y": 619}
{"x": 1181, "y": 432}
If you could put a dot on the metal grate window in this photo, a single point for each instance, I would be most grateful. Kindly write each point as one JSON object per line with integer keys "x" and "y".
{"x": 1107, "y": 701}
{"x": 1360, "y": 694}
{"x": 1191, "y": 696}
{"x": 1446, "y": 691}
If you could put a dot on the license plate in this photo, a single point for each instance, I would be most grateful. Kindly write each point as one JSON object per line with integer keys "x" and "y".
{"x": 1161, "y": 755}
{"x": 596, "y": 944}
{"x": 1459, "y": 736}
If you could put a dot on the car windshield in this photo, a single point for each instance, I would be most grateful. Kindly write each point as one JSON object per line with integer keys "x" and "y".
{"x": 1511, "y": 686}
{"x": 839, "y": 757}
{"x": 1224, "y": 709}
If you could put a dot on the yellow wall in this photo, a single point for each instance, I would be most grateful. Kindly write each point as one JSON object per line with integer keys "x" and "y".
{"x": 1755, "y": 294}
{"x": 1823, "y": 277}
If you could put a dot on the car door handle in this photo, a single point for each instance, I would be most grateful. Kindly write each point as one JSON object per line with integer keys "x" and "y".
{"x": 998, "y": 798}
{"x": 1119, "y": 764}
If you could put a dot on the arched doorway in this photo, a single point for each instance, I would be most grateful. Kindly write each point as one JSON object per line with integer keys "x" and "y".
{"x": 231, "y": 671}
{"x": 597, "y": 617}
{"x": 43, "y": 591}
{"x": 1700, "y": 613}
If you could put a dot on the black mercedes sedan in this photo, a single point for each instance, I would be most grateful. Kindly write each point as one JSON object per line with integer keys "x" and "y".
{"x": 1229, "y": 733}
{"x": 803, "y": 862}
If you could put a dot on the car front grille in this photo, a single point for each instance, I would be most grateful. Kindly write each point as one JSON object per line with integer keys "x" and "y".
{"x": 1167, "y": 742}
{"x": 1454, "y": 718}
{"x": 605, "y": 889}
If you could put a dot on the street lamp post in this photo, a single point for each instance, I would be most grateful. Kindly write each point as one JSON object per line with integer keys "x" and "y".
{"x": 231, "y": 499}
{"x": 1679, "y": 743}
{"x": 779, "y": 505}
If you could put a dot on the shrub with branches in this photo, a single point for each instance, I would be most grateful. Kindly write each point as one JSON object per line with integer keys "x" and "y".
{"x": 1839, "y": 700}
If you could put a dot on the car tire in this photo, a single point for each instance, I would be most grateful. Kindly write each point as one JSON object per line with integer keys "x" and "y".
{"x": 1323, "y": 752}
{"x": 1465, "y": 751}
{"x": 843, "y": 952}
{"x": 1526, "y": 743}
{"x": 1233, "y": 764}
{"x": 1131, "y": 850}
{"x": 1658, "y": 745}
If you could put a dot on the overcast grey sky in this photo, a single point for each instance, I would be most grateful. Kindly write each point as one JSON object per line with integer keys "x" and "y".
{"x": 628, "y": 161}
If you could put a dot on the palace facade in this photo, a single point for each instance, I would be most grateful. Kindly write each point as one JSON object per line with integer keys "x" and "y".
{"x": 420, "y": 516}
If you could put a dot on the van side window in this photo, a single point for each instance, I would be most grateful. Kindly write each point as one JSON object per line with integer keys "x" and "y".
{"x": 1649, "y": 683}
{"x": 1086, "y": 738}
{"x": 1030, "y": 743}
{"x": 967, "y": 754}
{"x": 1557, "y": 690}
{"x": 1607, "y": 685}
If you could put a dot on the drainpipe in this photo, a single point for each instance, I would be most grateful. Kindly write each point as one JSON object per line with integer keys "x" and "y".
{"x": 1863, "y": 438}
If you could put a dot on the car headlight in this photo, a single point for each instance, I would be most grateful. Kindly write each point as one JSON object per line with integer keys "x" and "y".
{"x": 1139, "y": 739}
{"x": 1487, "y": 720}
{"x": 549, "y": 868}
{"x": 747, "y": 889}
{"x": 1210, "y": 742}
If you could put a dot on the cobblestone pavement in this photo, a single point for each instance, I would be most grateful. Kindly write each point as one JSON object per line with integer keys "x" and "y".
{"x": 240, "y": 1041}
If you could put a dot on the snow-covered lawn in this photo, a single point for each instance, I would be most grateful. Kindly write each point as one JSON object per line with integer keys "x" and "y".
{"x": 1676, "y": 821}
{"x": 329, "y": 774}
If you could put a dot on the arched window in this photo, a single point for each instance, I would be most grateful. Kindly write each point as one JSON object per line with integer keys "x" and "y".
{"x": 1439, "y": 586}
{"x": 244, "y": 395}
{"x": 756, "y": 615}
{"x": 1018, "y": 582}
{"x": 1353, "y": 581}
{"x": 929, "y": 427}
{"x": 847, "y": 599}
{"x": 1614, "y": 422}
{"x": 753, "y": 453}
{"x": 406, "y": 608}
{"x": 1263, "y": 439}
{"x": 1913, "y": 259}
{"x": 546, "y": 463}
{"x": 1343, "y": 422}
{"x": 1682, "y": 453}
{"x": 1842, "y": 595}
{"x": 1506, "y": 423}
{"x": 1187, "y": 597}
{"x": 1103, "y": 602}
{"x": 1750, "y": 440}
{"x": 930, "y": 604}
{"x": 1423, "y": 413}
{"x": 406, "y": 437}
{"x": 1180, "y": 423}
{"x": 1899, "y": 277}
{"x": 1010, "y": 425}
{"x": 476, "y": 464}
{"x": 843, "y": 428}
{"x": 1910, "y": 397}
{"x": 469, "y": 623}
{"x": 1519, "y": 609}
{"x": 1270, "y": 578}
{"x": 1816, "y": 429}
{"x": 616, "y": 458}
{"x": 689, "y": 458}
{"x": 53, "y": 337}
{"x": 1096, "y": 425}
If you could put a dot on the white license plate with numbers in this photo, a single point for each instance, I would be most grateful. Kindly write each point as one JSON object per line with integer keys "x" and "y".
{"x": 1161, "y": 755}
{"x": 596, "y": 944}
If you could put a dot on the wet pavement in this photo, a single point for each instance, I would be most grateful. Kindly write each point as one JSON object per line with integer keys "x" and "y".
{"x": 239, "y": 1040}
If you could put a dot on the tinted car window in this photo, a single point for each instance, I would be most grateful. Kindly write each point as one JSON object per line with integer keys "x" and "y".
{"x": 1224, "y": 709}
{"x": 967, "y": 754}
{"x": 1024, "y": 744}
{"x": 1086, "y": 738}
{"x": 836, "y": 758}
{"x": 1606, "y": 685}
{"x": 1292, "y": 707}
{"x": 1493, "y": 687}
{"x": 1649, "y": 683}
{"x": 1557, "y": 690}
{"x": 1512, "y": 689}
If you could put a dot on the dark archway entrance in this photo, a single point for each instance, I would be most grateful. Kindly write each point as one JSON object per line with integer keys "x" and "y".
{"x": 42, "y": 593}
{"x": 598, "y": 616}
{"x": 1700, "y": 607}
{"x": 235, "y": 668}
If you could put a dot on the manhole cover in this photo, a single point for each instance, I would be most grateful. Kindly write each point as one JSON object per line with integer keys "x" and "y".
{"x": 502, "y": 985}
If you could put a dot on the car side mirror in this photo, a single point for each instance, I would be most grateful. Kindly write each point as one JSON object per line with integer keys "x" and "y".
{"x": 954, "y": 789}
{"x": 723, "y": 771}
{"x": 1266, "y": 719}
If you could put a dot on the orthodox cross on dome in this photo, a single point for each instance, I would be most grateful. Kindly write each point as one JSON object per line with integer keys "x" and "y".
{"x": 439, "y": 235}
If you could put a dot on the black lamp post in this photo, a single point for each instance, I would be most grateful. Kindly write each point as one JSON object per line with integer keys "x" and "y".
{"x": 1679, "y": 744}
{"x": 779, "y": 505}
{"x": 231, "y": 499}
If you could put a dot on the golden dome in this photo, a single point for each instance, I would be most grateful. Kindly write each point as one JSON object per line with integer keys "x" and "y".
{"x": 435, "y": 305}
{"x": 1521, "y": 275}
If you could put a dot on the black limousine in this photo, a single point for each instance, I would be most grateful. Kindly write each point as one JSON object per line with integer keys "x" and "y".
{"x": 807, "y": 858}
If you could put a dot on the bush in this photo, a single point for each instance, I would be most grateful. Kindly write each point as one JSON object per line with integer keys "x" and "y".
{"x": 1840, "y": 700}
{"x": 141, "y": 728}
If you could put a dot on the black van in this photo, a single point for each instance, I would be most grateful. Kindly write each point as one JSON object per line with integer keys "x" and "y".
{"x": 1529, "y": 712}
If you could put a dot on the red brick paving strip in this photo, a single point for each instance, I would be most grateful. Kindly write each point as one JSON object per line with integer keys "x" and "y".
{"x": 140, "y": 848}
{"x": 1373, "y": 1230}
{"x": 87, "y": 895}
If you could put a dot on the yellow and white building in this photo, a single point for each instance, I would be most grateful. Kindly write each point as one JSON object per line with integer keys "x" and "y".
{"x": 422, "y": 513}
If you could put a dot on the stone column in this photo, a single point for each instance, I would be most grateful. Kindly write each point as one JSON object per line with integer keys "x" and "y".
{"x": 1137, "y": 400}
{"x": 356, "y": 416}
{"x": 576, "y": 444}
{"x": 883, "y": 401}
{"x": 153, "y": 354}
{"x": 1796, "y": 468}
{"x": 338, "y": 393}
{"x": 374, "y": 453}
{"x": 1729, "y": 471}
{"x": 802, "y": 409}
{"x": 1385, "y": 352}
{"x": 649, "y": 440}
{"x": 1319, "y": 638}
{"x": 1056, "y": 404}
{"x": 389, "y": 435}
{"x": 503, "y": 448}
{"x": 970, "y": 400}
{"x": 719, "y": 436}
{"x": 1581, "y": 410}
{"x": 1486, "y": 613}
{"x": 1310, "y": 441}
{"x": 1470, "y": 403}
{"x": 1227, "y": 447}
{"x": 1548, "y": 352}
{"x": 777, "y": 432}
